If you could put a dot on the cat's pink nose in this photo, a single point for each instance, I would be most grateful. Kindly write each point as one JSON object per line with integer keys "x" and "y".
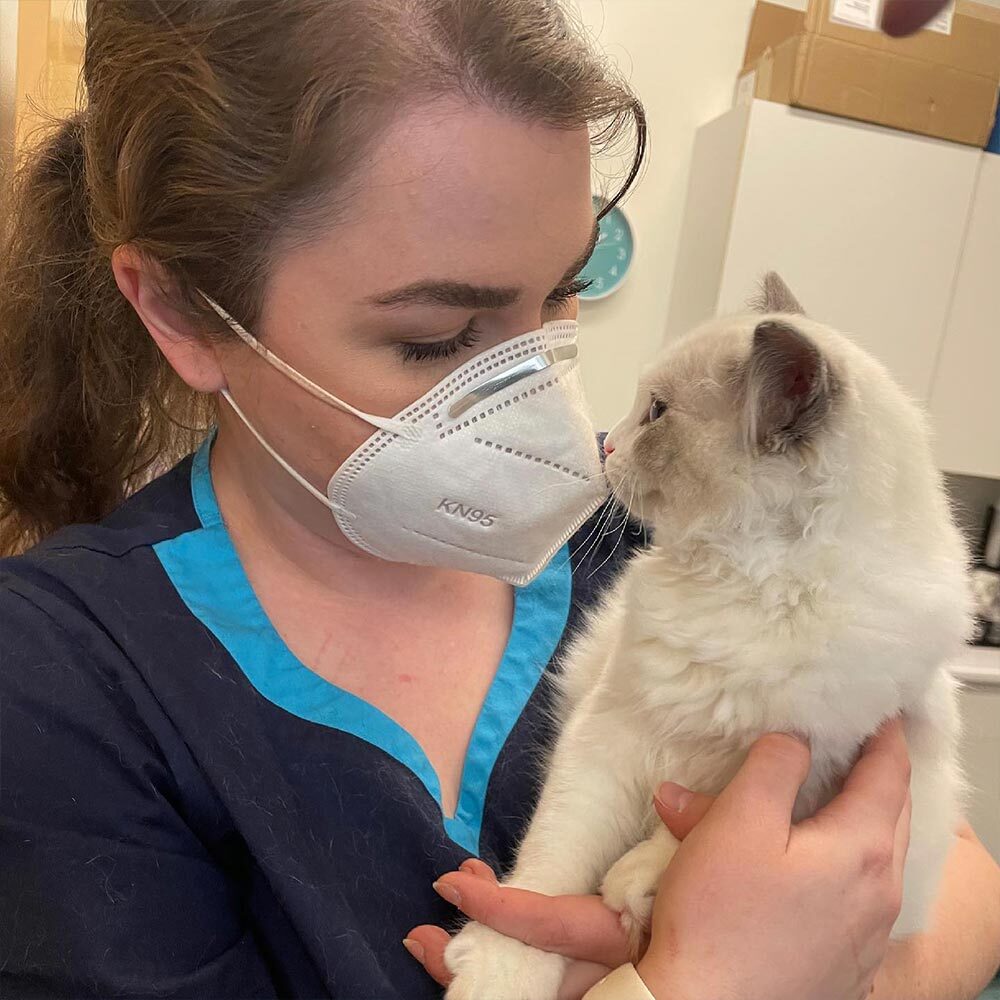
{"x": 608, "y": 447}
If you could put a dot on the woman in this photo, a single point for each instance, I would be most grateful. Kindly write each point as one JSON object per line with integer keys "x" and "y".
{"x": 243, "y": 737}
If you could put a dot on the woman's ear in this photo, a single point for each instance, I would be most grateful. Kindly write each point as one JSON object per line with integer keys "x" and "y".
{"x": 194, "y": 358}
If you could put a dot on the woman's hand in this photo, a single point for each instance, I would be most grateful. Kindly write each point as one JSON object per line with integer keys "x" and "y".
{"x": 774, "y": 888}
{"x": 580, "y": 927}
{"x": 754, "y": 907}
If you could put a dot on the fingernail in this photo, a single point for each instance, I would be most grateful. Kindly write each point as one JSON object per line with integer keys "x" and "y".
{"x": 448, "y": 892}
{"x": 415, "y": 948}
{"x": 674, "y": 797}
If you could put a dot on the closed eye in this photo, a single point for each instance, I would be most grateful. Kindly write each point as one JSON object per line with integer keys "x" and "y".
{"x": 565, "y": 292}
{"x": 440, "y": 349}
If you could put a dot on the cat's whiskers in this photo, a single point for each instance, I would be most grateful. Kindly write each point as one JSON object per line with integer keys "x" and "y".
{"x": 566, "y": 484}
{"x": 591, "y": 542}
{"x": 599, "y": 514}
{"x": 608, "y": 503}
{"x": 624, "y": 524}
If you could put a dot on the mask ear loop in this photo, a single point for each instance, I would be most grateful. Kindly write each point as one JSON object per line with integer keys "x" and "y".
{"x": 398, "y": 427}
{"x": 301, "y": 480}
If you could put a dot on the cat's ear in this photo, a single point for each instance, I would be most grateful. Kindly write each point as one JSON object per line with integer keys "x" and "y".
{"x": 789, "y": 388}
{"x": 774, "y": 296}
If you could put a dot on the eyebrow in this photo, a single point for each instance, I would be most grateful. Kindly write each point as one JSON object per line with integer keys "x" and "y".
{"x": 461, "y": 295}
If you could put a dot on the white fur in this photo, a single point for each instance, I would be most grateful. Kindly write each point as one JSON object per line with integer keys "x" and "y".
{"x": 818, "y": 590}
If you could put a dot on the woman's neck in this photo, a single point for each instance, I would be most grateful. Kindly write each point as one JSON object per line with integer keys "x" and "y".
{"x": 273, "y": 520}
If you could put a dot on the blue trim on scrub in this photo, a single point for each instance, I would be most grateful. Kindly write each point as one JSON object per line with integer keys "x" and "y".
{"x": 206, "y": 571}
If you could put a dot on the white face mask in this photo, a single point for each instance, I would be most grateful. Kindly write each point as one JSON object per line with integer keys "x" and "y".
{"x": 491, "y": 471}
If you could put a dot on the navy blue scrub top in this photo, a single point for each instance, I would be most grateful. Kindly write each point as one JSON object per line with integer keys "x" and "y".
{"x": 186, "y": 810}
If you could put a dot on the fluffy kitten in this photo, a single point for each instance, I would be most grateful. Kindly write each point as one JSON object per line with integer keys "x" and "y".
{"x": 806, "y": 576}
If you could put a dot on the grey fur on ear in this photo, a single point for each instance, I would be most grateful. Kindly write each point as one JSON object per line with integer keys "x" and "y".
{"x": 789, "y": 388}
{"x": 775, "y": 296}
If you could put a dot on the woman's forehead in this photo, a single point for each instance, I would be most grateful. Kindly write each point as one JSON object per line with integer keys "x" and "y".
{"x": 464, "y": 192}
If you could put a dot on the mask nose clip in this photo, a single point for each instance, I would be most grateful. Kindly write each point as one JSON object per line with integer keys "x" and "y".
{"x": 530, "y": 366}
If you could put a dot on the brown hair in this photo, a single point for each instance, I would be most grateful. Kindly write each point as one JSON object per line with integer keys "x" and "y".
{"x": 213, "y": 134}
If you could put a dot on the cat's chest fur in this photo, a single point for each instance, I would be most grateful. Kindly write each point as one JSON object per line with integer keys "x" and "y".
{"x": 696, "y": 674}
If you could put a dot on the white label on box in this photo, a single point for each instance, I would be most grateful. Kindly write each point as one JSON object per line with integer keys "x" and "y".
{"x": 857, "y": 13}
{"x": 943, "y": 21}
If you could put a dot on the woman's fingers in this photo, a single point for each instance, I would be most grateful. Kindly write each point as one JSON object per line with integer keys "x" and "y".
{"x": 876, "y": 789}
{"x": 426, "y": 945}
{"x": 476, "y": 867}
{"x": 765, "y": 788}
{"x": 679, "y": 808}
{"x": 575, "y": 926}
{"x": 759, "y": 799}
{"x": 430, "y": 942}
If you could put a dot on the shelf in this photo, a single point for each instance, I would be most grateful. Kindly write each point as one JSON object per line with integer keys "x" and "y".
{"x": 979, "y": 665}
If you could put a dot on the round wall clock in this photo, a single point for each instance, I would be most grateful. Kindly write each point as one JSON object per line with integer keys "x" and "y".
{"x": 612, "y": 257}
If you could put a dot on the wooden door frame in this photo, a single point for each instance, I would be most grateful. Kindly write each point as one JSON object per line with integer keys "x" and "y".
{"x": 39, "y": 40}
{"x": 9, "y": 17}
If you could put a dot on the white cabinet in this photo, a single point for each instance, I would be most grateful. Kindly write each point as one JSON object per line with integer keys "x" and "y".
{"x": 965, "y": 395}
{"x": 866, "y": 224}
{"x": 979, "y": 670}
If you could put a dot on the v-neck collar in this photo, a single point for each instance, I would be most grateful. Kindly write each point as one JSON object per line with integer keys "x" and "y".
{"x": 207, "y": 573}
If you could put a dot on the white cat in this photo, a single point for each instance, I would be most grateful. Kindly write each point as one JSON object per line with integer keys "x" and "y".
{"x": 806, "y": 576}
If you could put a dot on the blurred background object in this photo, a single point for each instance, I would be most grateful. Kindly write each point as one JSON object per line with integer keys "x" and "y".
{"x": 904, "y": 17}
{"x": 41, "y": 49}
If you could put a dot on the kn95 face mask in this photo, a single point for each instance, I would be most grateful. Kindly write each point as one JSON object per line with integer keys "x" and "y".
{"x": 490, "y": 471}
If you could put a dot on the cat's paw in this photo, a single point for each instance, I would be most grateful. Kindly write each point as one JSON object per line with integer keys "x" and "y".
{"x": 489, "y": 966}
{"x": 631, "y": 883}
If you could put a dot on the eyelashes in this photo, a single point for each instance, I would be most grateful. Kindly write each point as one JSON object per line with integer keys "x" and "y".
{"x": 564, "y": 292}
{"x": 439, "y": 350}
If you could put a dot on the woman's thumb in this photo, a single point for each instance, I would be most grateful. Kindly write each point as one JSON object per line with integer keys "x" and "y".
{"x": 680, "y": 809}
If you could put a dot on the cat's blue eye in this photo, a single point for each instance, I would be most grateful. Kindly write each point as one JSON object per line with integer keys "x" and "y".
{"x": 656, "y": 410}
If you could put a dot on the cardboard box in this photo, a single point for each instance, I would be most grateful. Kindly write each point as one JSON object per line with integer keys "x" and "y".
{"x": 933, "y": 83}
{"x": 771, "y": 25}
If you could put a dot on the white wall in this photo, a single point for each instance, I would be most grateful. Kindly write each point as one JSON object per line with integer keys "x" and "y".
{"x": 682, "y": 58}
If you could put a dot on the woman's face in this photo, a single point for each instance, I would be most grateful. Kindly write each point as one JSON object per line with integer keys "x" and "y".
{"x": 467, "y": 223}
